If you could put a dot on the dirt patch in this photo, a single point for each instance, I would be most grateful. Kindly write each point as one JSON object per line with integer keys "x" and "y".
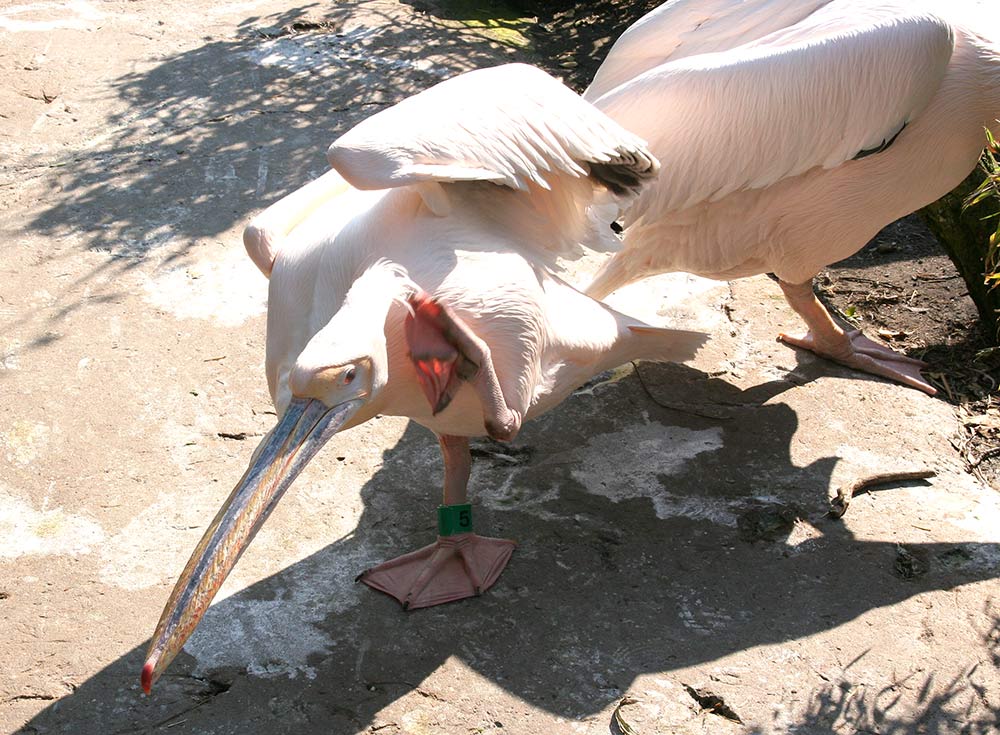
{"x": 903, "y": 289}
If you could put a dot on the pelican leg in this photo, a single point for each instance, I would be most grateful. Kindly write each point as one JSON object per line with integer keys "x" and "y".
{"x": 851, "y": 348}
{"x": 460, "y": 563}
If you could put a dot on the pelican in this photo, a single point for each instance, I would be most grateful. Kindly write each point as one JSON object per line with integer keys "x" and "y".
{"x": 414, "y": 280}
{"x": 790, "y": 132}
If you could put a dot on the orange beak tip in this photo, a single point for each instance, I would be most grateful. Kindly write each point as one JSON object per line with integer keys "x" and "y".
{"x": 147, "y": 677}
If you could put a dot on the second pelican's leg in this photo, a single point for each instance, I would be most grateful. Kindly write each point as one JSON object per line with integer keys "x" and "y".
{"x": 851, "y": 348}
{"x": 460, "y": 563}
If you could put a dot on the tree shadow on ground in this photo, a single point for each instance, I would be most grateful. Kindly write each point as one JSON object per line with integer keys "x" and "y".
{"x": 959, "y": 705}
{"x": 572, "y": 39}
{"x": 630, "y": 562}
{"x": 214, "y": 134}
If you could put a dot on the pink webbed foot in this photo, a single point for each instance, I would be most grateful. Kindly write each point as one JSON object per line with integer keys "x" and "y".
{"x": 452, "y": 568}
{"x": 858, "y": 352}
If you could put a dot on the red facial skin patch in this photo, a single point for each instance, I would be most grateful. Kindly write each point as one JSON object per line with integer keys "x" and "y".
{"x": 434, "y": 356}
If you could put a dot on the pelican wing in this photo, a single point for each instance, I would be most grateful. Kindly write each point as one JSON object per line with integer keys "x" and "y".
{"x": 818, "y": 93}
{"x": 513, "y": 125}
{"x": 681, "y": 28}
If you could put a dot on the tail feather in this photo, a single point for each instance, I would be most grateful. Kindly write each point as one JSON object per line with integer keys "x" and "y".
{"x": 615, "y": 273}
{"x": 667, "y": 345}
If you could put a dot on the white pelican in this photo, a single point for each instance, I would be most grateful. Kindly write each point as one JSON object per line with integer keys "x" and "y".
{"x": 791, "y": 131}
{"x": 429, "y": 297}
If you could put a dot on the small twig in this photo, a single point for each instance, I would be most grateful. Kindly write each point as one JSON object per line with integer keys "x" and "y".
{"x": 838, "y": 505}
{"x": 623, "y": 727}
{"x": 992, "y": 452}
{"x": 942, "y": 380}
{"x": 860, "y": 279}
{"x": 237, "y": 435}
{"x": 713, "y": 704}
{"x": 947, "y": 386}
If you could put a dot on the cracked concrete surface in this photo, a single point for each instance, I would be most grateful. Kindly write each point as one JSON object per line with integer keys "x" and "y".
{"x": 136, "y": 140}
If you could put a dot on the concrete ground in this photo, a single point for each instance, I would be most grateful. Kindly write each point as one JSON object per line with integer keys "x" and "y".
{"x": 676, "y": 570}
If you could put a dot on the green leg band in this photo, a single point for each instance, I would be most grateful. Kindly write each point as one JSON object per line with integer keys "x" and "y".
{"x": 454, "y": 519}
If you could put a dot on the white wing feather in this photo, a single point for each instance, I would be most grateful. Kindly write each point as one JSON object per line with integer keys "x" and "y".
{"x": 512, "y": 125}
{"x": 815, "y": 94}
{"x": 681, "y": 28}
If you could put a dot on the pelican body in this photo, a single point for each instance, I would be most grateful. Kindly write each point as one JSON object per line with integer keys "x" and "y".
{"x": 790, "y": 132}
{"x": 414, "y": 280}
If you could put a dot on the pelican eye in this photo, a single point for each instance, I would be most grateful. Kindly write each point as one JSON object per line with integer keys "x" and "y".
{"x": 350, "y": 374}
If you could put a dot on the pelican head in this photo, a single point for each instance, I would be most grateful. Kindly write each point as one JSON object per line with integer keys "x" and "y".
{"x": 341, "y": 364}
{"x": 347, "y": 359}
{"x": 332, "y": 384}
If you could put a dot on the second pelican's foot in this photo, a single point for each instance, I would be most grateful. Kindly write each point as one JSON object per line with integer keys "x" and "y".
{"x": 452, "y": 568}
{"x": 858, "y": 352}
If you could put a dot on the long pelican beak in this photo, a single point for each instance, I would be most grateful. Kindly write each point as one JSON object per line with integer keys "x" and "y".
{"x": 305, "y": 427}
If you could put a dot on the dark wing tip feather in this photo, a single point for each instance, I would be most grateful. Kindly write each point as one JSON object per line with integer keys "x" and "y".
{"x": 626, "y": 172}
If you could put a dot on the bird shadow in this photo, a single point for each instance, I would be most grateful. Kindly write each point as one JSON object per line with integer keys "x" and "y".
{"x": 631, "y": 562}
